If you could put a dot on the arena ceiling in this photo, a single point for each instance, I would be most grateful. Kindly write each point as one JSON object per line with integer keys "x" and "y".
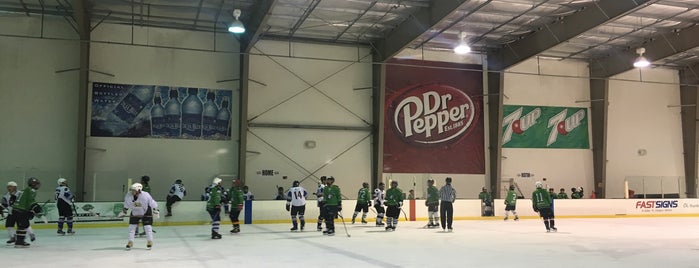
{"x": 604, "y": 32}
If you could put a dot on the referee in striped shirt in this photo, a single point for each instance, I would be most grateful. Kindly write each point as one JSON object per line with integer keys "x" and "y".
{"x": 447, "y": 195}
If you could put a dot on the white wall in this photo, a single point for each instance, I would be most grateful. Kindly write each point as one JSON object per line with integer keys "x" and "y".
{"x": 288, "y": 71}
{"x": 640, "y": 119}
{"x": 548, "y": 83}
{"x": 151, "y": 61}
{"x": 39, "y": 106}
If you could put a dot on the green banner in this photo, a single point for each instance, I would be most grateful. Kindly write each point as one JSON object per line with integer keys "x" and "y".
{"x": 545, "y": 127}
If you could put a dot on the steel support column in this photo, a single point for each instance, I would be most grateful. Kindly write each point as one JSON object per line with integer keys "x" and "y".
{"x": 82, "y": 18}
{"x": 254, "y": 24}
{"x": 243, "y": 115}
{"x": 495, "y": 101}
{"x": 689, "y": 78}
{"x": 378, "y": 105}
{"x": 599, "y": 93}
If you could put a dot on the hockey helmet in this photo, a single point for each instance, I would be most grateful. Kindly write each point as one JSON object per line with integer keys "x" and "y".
{"x": 178, "y": 181}
{"x": 323, "y": 178}
{"x": 136, "y": 187}
{"x": 365, "y": 184}
{"x": 217, "y": 181}
{"x": 61, "y": 181}
{"x": 295, "y": 184}
{"x": 34, "y": 183}
{"x": 12, "y": 184}
{"x": 512, "y": 187}
{"x": 448, "y": 179}
{"x": 539, "y": 185}
{"x": 145, "y": 178}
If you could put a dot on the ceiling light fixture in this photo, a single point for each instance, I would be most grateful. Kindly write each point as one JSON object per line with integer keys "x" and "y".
{"x": 641, "y": 62}
{"x": 463, "y": 47}
{"x": 236, "y": 26}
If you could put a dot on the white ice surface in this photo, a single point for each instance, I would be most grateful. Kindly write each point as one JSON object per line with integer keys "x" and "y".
{"x": 618, "y": 242}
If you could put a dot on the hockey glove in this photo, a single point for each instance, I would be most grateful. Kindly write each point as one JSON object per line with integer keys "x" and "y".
{"x": 156, "y": 214}
{"x": 43, "y": 218}
{"x": 339, "y": 208}
{"x": 536, "y": 209}
{"x": 239, "y": 207}
{"x": 400, "y": 204}
{"x": 122, "y": 213}
{"x": 288, "y": 207}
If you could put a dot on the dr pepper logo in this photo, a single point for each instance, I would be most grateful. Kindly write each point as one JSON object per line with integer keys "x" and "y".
{"x": 431, "y": 114}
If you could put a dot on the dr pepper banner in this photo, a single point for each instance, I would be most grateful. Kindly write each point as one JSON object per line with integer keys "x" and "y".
{"x": 544, "y": 127}
{"x": 120, "y": 110}
{"x": 433, "y": 118}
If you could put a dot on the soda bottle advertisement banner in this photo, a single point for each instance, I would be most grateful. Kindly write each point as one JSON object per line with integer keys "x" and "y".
{"x": 545, "y": 127}
{"x": 148, "y": 111}
{"x": 433, "y": 119}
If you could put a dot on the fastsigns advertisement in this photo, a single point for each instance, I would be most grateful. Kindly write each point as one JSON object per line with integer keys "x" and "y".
{"x": 433, "y": 118}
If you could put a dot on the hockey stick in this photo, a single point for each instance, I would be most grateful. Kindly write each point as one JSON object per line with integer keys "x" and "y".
{"x": 404, "y": 215}
{"x": 343, "y": 224}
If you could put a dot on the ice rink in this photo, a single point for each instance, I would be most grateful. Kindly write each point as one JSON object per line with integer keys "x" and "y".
{"x": 590, "y": 242}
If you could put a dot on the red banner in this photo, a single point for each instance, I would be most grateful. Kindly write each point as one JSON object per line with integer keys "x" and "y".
{"x": 433, "y": 118}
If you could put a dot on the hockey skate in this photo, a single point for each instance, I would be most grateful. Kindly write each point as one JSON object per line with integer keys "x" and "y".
{"x": 236, "y": 229}
{"x": 168, "y": 215}
{"x": 554, "y": 229}
{"x": 215, "y": 235}
{"x": 32, "y": 237}
{"x": 331, "y": 232}
{"x": 352, "y": 220}
{"x": 129, "y": 245}
{"x": 70, "y": 232}
{"x": 364, "y": 221}
{"x": 506, "y": 217}
{"x": 380, "y": 224}
{"x": 22, "y": 244}
{"x": 149, "y": 245}
{"x": 11, "y": 241}
{"x": 60, "y": 232}
{"x": 516, "y": 218}
{"x": 294, "y": 229}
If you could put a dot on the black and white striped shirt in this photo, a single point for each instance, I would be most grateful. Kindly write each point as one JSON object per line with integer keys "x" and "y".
{"x": 447, "y": 193}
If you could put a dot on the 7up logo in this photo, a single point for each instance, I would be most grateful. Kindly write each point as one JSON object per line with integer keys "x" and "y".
{"x": 564, "y": 125}
{"x": 544, "y": 127}
{"x": 517, "y": 123}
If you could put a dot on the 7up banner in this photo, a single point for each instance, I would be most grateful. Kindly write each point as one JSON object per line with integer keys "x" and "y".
{"x": 544, "y": 127}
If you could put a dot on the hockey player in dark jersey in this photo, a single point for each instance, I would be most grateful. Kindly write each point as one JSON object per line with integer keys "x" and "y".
{"x": 64, "y": 203}
{"x": 394, "y": 201}
{"x": 511, "y": 203}
{"x": 542, "y": 202}
{"x": 24, "y": 209}
{"x": 333, "y": 204}
{"x": 237, "y": 200}
{"x": 432, "y": 204}
{"x": 363, "y": 201}
{"x": 213, "y": 206}
{"x": 320, "y": 202}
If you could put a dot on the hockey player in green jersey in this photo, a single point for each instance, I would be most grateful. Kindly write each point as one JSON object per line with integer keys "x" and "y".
{"x": 542, "y": 203}
{"x": 363, "y": 201}
{"x": 562, "y": 194}
{"x": 24, "y": 209}
{"x": 213, "y": 206}
{"x": 236, "y": 196}
{"x": 394, "y": 200}
{"x": 333, "y": 204}
{"x": 511, "y": 203}
{"x": 432, "y": 204}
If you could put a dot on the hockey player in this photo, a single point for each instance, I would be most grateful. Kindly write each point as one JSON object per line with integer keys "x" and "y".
{"x": 333, "y": 204}
{"x": 394, "y": 201}
{"x": 379, "y": 196}
{"x": 247, "y": 195}
{"x": 320, "y": 202}
{"x": 143, "y": 209}
{"x": 553, "y": 194}
{"x": 296, "y": 203}
{"x": 177, "y": 192}
{"x": 363, "y": 201}
{"x": 213, "y": 206}
{"x": 145, "y": 180}
{"x": 511, "y": 203}
{"x": 24, "y": 209}
{"x": 64, "y": 204}
{"x": 541, "y": 202}
{"x": 237, "y": 199}
{"x": 562, "y": 194}
{"x": 6, "y": 204}
{"x": 486, "y": 202}
{"x": 432, "y": 204}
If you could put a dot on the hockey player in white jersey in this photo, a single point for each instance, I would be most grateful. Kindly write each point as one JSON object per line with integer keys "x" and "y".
{"x": 177, "y": 193}
{"x": 143, "y": 209}
{"x": 321, "y": 204}
{"x": 379, "y": 196}
{"x": 6, "y": 204}
{"x": 64, "y": 204}
{"x": 296, "y": 203}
